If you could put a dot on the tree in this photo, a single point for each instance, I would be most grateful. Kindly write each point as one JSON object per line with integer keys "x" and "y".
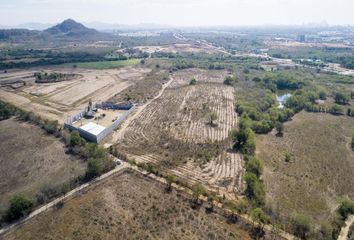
{"x": 212, "y": 116}
{"x": 255, "y": 166}
{"x": 76, "y": 140}
{"x": 301, "y": 225}
{"x": 229, "y": 80}
{"x": 198, "y": 189}
{"x": 346, "y": 207}
{"x": 94, "y": 168}
{"x": 341, "y": 98}
{"x": 193, "y": 82}
{"x": 244, "y": 141}
{"x": 170, "y": 179}
{"x": 19, "y": 207}
{"x": 336, "y": 109}
{"x": 255, "y": 189}
{"x": 259, "y": 217}
{"x": 280, "y": 128}
{"x": 211, "y": 199}
{"x": 323, "y": 95}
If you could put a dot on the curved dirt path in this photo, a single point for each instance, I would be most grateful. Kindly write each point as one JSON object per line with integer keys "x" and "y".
{"x": 120, "y": 133}
{"x": 345, "y": 229}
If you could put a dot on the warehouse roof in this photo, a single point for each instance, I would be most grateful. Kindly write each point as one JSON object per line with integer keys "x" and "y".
{"x": 93, "y": 128}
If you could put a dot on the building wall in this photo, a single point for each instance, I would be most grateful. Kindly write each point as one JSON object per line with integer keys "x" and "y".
{"x": 97, "y": 138}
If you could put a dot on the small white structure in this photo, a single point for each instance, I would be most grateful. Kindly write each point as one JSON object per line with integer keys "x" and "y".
{"x": 93, "y": 128}
{"x": 91, "y": 131}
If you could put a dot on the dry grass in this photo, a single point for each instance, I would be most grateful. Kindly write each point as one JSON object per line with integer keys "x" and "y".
{"x": 128, "y": 206}
{"x": 30, "y": 160}
{"x": 320, "y": 170}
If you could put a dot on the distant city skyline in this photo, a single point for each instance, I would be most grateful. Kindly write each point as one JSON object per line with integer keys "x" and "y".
{"x": 179, "y": 12}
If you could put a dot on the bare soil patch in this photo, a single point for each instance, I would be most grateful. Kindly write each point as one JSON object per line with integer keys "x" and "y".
{"x": 59, "y": 100}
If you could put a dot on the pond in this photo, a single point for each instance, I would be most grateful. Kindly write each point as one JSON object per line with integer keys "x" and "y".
{"x": 282, "y": 99}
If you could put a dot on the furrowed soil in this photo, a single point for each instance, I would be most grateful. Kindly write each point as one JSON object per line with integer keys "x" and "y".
{"x": 128, "y": 206}
{"x": 173, "y": 132}
{"x": 31, "y": 160}
{"x": 320, "y": 170}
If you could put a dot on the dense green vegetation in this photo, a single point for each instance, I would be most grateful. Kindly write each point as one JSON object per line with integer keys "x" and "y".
{"x": 7, "y": 110}
{"x": 44, "y": 77}
{"x": 20, "y": 206}
{"x": 44, "y": 58}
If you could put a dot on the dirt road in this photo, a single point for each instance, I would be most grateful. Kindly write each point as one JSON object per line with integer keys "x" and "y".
{"x": 119, "y": 134}
{"x": 63, "y": 198}
{"x": 344, "y": 231}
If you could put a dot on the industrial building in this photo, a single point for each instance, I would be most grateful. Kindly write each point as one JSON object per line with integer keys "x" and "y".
{"x": 92, "y": 131}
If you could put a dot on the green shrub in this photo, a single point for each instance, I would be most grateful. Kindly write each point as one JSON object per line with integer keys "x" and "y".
{"x": 20, "y": 206}
{"x": 244, "y": 141}
{"x": 76, "y": 140}
{"x": 230, "y": 80}
{"x": 240, "y": 206}
{"x": 253, "y": 165}
{"x": 341, "y": 98}
{"x": 255, "y": 189}
{"x": 259, "y": 217}
{"x": 346, "y": 207}
{"x": 336, "y": 109}
{"x": 193, "y": 82}
{"x": 301, "y": 225}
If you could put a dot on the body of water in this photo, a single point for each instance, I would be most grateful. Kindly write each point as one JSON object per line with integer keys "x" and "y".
{"x": 282, "y": 99}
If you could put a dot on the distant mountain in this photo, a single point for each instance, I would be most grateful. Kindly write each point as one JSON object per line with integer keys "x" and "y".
{"x": 71, "y": 28}
{"x": 68, "y": 30}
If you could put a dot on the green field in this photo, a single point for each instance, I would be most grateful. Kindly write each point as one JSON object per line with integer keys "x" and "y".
{"x": 104, "y": 64}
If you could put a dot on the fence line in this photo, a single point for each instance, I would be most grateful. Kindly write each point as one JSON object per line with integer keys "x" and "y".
{"x": 68, "y": 124}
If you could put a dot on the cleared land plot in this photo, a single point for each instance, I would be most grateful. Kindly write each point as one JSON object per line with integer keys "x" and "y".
{"x": 128, "y": 206}
{"x": 104, "y": 64}
{"x": 31, "y": 160}
{"x": 321, "y": 168}
{"x": 59, "y": 100}
{"x": 173, "y": 131}
{"x": 179, "y": 48}
{"x": 109, "y": 117}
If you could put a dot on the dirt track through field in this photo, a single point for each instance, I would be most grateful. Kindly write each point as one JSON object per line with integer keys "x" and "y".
{"x": 179, "y": 112}
{"x": 345, "y": 230}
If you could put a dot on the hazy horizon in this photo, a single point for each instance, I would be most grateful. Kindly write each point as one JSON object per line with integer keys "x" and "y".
{"x": 184, "y": 13}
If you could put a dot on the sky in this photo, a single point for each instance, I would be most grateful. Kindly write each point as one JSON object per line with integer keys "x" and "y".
{"x": 180, "y": 12}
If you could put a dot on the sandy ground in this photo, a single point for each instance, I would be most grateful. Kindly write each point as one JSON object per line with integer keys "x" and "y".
{"x": 106, "y": 121}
